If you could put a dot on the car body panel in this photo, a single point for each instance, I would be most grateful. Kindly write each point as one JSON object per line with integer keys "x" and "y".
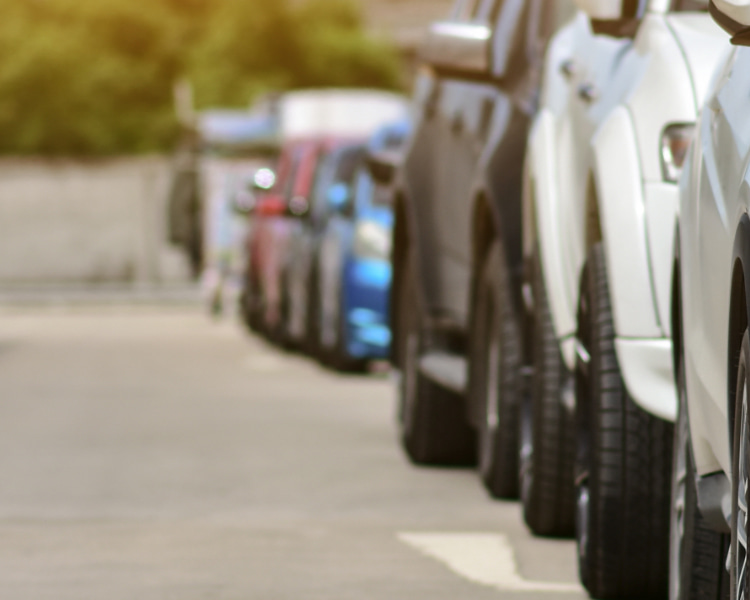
{"x": 466, "y": 157}
{"x": 715, "y": 199}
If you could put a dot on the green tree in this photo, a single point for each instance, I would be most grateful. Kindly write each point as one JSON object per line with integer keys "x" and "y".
{"x": 96, "y": 77}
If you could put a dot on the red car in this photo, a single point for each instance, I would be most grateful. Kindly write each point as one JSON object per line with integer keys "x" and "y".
{"x": 276, "y": 218}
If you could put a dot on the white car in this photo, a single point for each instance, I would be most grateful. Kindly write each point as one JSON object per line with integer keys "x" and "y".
{"x": 601, "y": 199}
{"x": 712, "y": 344}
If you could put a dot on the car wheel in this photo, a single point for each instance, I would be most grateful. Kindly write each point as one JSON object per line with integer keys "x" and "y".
{"x": 740, "y": 473}
{"x": 697, "y": 566}
{"x": 283, "y": 334}
{"x": 250, "y": 307}
{"x": 339, "y": 357}
{"x": 494, "y": 382}
{"x": 547, "y": 455}
{"x": 432, "y": 420}
{"x": 312, "y": 333}
{"x": 623, "y": 463}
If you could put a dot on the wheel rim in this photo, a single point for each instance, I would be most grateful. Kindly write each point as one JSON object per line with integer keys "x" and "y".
{"x": 492, "y": 395}
{"x": 526, "y": 453}
{"x": 740, "y": 546}
{"x": 582, "y": 521}
{"x": 679, "y": 497}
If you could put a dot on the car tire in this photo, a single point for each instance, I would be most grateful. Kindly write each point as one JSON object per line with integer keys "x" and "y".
{"x": 494, "y": 379}
{"x": 623, "y": 463}
{"x": 739, "y": 580}
{"x": 697, "y": 553}
{"x": 283, "y": 334}
{"x": 432, "y": 420}
{"x": 339, "y": 357}
{"x": 250, "y": 307}
{"x": 547, "y": 451}
{"x": 312, "y": 333}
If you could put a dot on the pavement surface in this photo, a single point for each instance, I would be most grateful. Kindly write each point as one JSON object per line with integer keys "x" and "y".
{"x": 151, "y": 453}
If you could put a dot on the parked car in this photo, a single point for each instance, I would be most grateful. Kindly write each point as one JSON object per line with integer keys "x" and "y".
{"x": 603, "y": 161}
{"x": 331, "y": 189}
{"x": 275, "y": 219}
{"x": 711, "y": 312}
{"x": 457, "y": 256}
{"x": 310, "y": 122}
{"x": 354, "y": 272}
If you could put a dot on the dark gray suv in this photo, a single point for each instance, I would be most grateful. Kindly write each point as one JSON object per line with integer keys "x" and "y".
{"x": 457, "y": 302}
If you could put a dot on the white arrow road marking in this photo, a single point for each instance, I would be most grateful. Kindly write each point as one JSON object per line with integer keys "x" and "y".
{"x": 483, "y": 558}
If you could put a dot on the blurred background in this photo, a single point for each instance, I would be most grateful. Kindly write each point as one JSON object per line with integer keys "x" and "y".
{"x": 99, "y": 100}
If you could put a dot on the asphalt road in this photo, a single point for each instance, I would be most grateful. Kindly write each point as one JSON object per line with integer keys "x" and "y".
{"x": 153, "y": 454}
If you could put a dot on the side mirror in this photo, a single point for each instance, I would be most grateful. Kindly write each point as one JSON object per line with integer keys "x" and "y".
{"x": 338, "y": 197}
{"x": 382, "y": 166}
{"x": 264, "y": 179}
{"x": 734, "y": 17}
{"x": 616, "y": 18}
{"x": 459, "y": 47}
{"x": 604, "y": 10}
{"x": 244, "y": 202}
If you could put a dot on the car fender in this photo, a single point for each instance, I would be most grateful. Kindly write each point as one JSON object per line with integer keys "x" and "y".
{"x": 621, "y": 203}
{"x": 644, "y": 352}
{"x": 542, "y": 207}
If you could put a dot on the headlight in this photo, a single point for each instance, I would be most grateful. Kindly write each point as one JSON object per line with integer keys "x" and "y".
{"x": 372, "y": 240}
{"x": 675, "y": 141}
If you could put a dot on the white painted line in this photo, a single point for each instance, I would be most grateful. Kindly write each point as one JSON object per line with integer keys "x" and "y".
{"x": 482, "y": 558}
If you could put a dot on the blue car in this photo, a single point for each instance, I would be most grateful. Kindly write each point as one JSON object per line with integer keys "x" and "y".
{"x": 354, "y": 266}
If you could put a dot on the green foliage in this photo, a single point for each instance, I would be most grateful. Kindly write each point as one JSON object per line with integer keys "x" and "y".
{"x": 256, "y": 45}
{"x": 95, "y": 77}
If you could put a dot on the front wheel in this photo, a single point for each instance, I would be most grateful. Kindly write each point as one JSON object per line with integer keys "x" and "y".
{"x": 623, "y": 466}
{"x": 739, "y": 581}
{"x": 432, "y": 421}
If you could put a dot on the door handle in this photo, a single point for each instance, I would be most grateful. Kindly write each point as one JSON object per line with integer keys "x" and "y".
{"x": 568, "y": 68}
{"x": 588, "y": 92}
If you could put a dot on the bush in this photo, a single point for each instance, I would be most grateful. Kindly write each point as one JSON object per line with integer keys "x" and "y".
{"x": 95, "y": 77}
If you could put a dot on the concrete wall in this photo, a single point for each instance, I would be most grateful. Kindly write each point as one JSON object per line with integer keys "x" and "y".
{"x": 70, "y": 222}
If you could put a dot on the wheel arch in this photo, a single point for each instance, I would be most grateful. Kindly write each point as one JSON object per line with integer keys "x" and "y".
{"x": 739, "y": 310}
{"x": 676, "y": 308}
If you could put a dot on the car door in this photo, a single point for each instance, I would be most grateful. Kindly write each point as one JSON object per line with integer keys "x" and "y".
{"x": 457, "y": 106}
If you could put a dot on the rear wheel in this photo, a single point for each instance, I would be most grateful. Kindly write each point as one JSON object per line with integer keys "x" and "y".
{"x": 623, "y": 466}
{"x": 494, "y": 383}
{"x": 547, "y": 427}
{"x": 251, "y": 306}
{"x": 312, "y": 327}
{"x": 432, "y": 422}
